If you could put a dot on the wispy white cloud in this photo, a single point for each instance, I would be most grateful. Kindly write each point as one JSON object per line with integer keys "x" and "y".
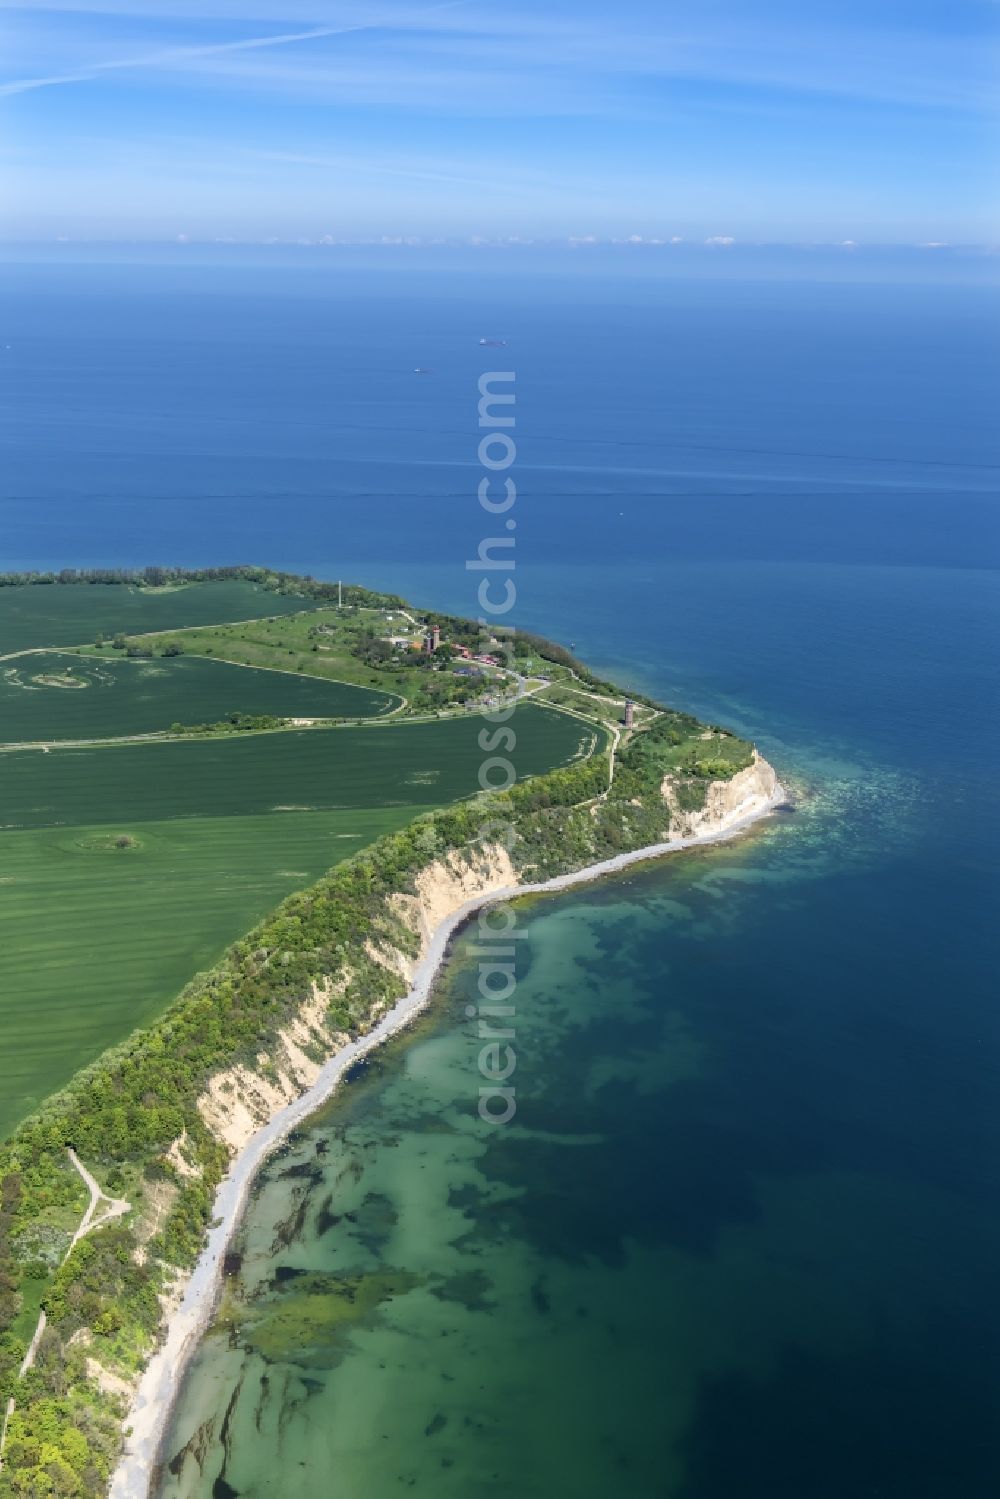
{"x": 178, "y": 58}
{"x": 172, "y": 57}
{"x": 468, "y": 42}
{"x": 653, "y": 120}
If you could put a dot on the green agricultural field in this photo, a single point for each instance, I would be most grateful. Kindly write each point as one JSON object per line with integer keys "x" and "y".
{"x": 396, "y": 764}
{"x": 96, "y": 939}
{"x": 126, "y": 868}
{"x": 59, "y": 614}
{"x": 57, "y": 695}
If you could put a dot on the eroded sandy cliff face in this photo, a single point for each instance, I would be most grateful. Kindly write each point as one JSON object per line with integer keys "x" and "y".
{"x": 238, "y": 1102}
{"x": 449, "y": 883}
{"x": 746, "y": 795}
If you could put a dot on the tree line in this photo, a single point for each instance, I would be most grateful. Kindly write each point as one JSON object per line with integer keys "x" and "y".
{"x": 124, "y": 1111}
{"x": 155, "y": 576}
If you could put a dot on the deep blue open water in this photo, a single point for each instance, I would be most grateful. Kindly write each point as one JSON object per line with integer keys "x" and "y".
{"x": 742, "y": 1236}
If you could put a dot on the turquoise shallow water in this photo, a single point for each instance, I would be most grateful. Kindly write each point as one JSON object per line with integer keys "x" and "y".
{"x": 739, "y": 1237}
{"x": 740, "y": 1241}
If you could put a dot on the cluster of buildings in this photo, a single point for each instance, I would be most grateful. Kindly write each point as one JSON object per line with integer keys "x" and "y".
{"x": 483, "y": 657}
{"x": 429, "y": 642}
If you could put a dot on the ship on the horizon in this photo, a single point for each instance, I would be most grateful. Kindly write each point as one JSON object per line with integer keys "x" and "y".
{"x": 493, "y": 343}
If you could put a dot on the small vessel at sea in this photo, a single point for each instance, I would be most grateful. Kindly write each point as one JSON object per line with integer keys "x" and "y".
{"x": 419, "y": 370}
{"x": 493, "y": 343}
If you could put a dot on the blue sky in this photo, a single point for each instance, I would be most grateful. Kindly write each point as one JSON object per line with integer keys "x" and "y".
{"x": 824, "y": 121}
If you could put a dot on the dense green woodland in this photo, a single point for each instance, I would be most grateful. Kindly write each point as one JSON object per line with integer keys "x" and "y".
{"x": 122, "y": 1113}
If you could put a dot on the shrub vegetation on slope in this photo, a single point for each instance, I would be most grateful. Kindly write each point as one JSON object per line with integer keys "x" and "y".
{"x": 123, "y": 1113}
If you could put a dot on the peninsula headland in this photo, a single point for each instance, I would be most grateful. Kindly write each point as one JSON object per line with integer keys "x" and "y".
{"x": 120, "y": 1192}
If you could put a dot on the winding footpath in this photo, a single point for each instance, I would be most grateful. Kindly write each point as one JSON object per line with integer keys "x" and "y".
{"x": 117, "y": 1207}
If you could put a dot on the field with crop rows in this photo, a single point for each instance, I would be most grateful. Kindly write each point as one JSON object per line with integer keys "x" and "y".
{"x": 124, "y": 869}
{"x": 56, "y": 695}
{"x": 39, "y": 615}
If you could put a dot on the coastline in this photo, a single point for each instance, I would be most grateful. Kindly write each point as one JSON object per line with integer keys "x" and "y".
{"x": 149, "y": 1414}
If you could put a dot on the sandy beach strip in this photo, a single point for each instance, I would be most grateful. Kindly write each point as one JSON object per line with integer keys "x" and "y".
{"x": 149, "y": 1414}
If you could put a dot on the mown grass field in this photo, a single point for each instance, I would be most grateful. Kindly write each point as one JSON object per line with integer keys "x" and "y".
{"x": 56, "y": 614}
{"x": 318, "y": 641}
{"x": 96, "y": 938}
{"x": 38, "y": 700}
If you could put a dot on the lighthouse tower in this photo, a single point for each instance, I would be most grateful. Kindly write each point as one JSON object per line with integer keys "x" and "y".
{"x": 629, "y": 712}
